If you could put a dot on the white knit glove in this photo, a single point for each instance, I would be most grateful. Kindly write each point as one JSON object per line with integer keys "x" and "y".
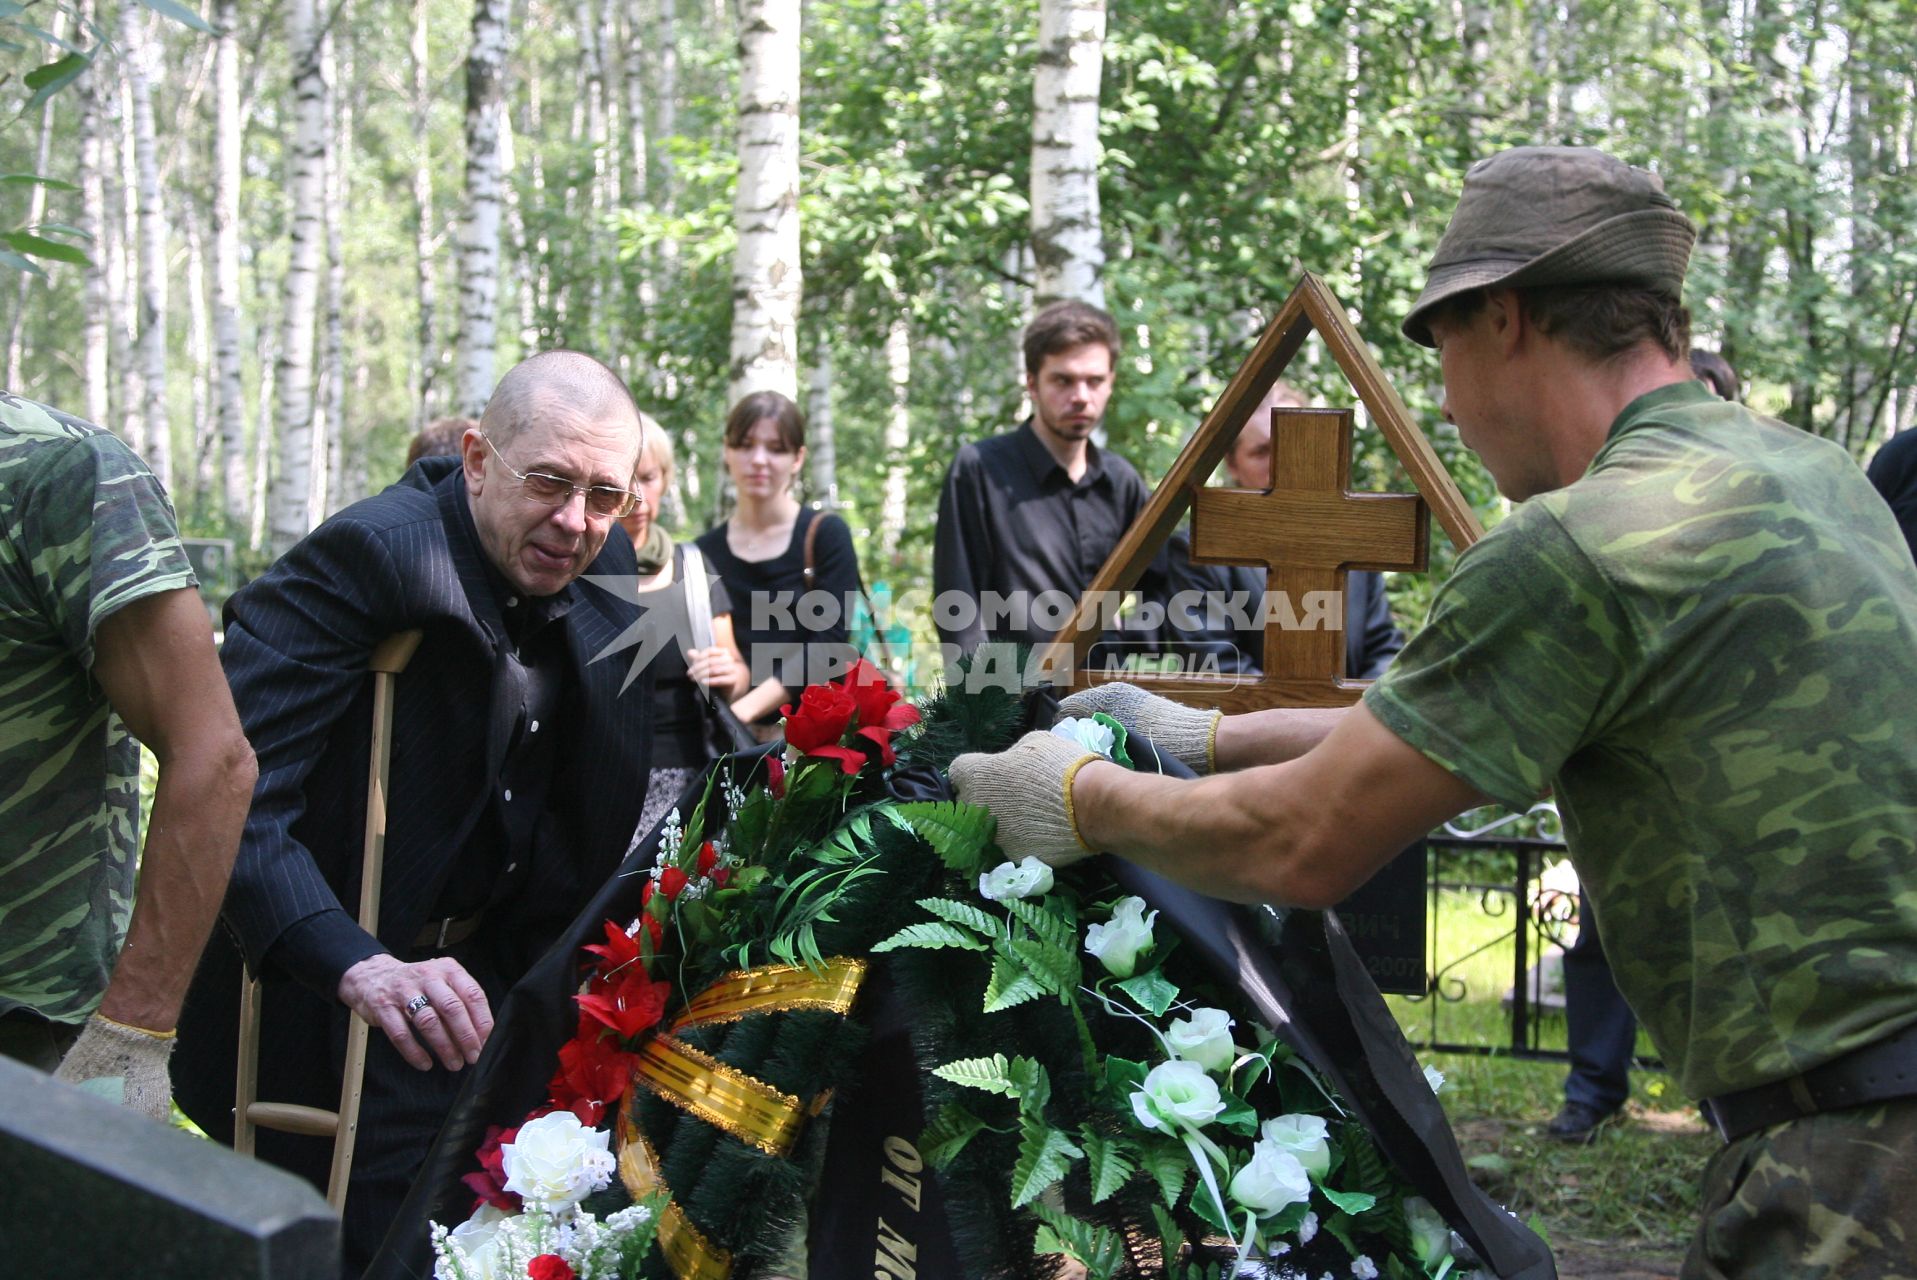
{"x": 131, "y": 1059}
{"x": 1029, "y": 790}
{"x": 1188, "y": 733}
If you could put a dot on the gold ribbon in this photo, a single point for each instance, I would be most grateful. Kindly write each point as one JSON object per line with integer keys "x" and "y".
{"x": 726, "y": 1098}
{"x": 774, "y": 989}
{"x": 690, "y": 1255}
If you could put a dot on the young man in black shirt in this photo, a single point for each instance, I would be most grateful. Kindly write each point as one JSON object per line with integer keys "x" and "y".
{"x": 1027, "y": 518}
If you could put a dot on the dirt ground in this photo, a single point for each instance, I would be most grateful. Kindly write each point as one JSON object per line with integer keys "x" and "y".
{"x": 1610, "y": 1260}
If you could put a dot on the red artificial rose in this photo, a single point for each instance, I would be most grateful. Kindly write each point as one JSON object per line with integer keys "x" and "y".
{"x": 708, "y": 858}
{"x": 489, "y": 1184}
{"x": 630, "y": 1004}
{"x": 775, "y": 777}
{"x": 672, "y": 882}
{"x": 722, "y": 877}
{"x": 816, "y": 725}
{"x": 882, "y": 710}
{"x": 621, "y": 951}
{"x": 550, "y": 1266}
{"x": 645, "y": 893}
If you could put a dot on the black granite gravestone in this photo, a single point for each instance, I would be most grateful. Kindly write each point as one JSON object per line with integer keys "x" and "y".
{"x": 95, "y": 1190}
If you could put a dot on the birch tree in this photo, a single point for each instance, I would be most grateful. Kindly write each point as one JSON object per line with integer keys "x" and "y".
{"x": 229, "y": 387}
{"x": 479, "y": 229}
{"x": 1067, "y": 241}
{"x": 292, "y": 516}
{"x": 765, "y": 207}
{"x": 96, "y": 304}
{"x": 424, "y": 243}
{"x": 36, "y": 209}
{"x": 142, "y": 66}
{"x": 898, "y": 434}
{"x": 822, "y": 445}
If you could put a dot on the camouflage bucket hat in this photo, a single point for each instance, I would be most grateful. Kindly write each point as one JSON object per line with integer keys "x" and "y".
{"x": 1556, "y": 216}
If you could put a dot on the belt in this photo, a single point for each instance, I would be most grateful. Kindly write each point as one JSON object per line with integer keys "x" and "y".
{"x": 1878, "y": 1072}
{"x": 437, "y": 935}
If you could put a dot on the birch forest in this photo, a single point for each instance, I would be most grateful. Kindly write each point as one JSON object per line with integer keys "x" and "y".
{"x": 266, "y": 242}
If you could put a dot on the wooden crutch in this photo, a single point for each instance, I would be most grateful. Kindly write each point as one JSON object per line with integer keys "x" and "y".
{"x": 388, "y": 660}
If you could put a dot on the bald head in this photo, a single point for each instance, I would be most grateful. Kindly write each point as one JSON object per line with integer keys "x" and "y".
{"x": 558, "y": 384}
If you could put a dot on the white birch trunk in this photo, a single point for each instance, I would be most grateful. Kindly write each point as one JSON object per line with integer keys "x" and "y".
{"x": 898, "y": 434}
{"x": 637, "y": 141}
{"x": 666, "y": 100}
{"x": 199, "y": 350}
{"x": 124, "y": 282}
{"x": 1067, "y": 240}
{"x": 425, "y": 251}
{"x": 228, "y": 361}
{"x": 765, "y": 206}
{"x": 292, "y": 515}
{"x": 479, "y": 230}
{"x": 822, "y": 447}
{"x": 331, "y": 445}
{"x": 93, "y": 220}
{"x": 144, "y": 65}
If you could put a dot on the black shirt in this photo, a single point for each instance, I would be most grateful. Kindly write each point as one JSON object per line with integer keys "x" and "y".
{"x": 1013, "y": 525}
{"x": 1894, "y": 472}
{"x": 779, "y": 635}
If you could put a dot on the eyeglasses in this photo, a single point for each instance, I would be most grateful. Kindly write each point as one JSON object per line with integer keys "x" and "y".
{"x": 556, "y": 491}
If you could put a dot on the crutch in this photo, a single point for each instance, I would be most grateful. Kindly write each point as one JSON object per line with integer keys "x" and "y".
{"x": 249, "y": 1114}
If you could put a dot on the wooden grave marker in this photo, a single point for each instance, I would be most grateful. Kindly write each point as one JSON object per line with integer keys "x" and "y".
{"x": 1307, "y": 529}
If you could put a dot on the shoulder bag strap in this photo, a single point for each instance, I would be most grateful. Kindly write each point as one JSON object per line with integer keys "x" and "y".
{"x": 811, "y": 550}
{"x": 698, "y": 596}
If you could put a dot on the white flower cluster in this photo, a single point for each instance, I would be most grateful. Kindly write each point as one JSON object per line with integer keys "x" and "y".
{"x": 1087, "y": 733}
{"x": 1009, "y": 880}
{"x": 552, "y": 1164}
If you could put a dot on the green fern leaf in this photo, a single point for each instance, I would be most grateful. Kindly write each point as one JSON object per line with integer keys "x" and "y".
{"x": 1010, "y": 985}
{"x": 966, "y": 914}
{"x": 1100, "y": 1249}
{"x": 931, "y": 935}
{"x": 947, "y": 1135}
{"x": 992, "y": 1074}
{"x": 1033, "y": 1084}
{"x": 958, "y": 833}
{"x": 1107, "y": 1163}
{"x": 1057, "y": 971}
{"x": 1169, "y": 1165}
{"x": 1044, "y": 1154}
{"x": 1050, "y": 927}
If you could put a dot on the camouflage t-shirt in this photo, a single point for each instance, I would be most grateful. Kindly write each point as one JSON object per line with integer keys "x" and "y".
{"x": 1708, "y": 646}
{"x": 85, "y": 529}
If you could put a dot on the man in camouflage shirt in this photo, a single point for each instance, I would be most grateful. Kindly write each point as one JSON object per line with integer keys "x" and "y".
{"x": 103, "y": 640}
{"x": 1698, "y": 628}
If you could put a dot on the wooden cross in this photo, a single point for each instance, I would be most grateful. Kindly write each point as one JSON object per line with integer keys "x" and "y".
{"x": 1308, "y": 531}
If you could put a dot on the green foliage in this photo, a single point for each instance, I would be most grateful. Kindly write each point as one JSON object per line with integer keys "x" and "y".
{"x": 931, "y": 936}
{"x": 946, "y": 1136}
{"x": 1153, "y": 992}
{"x": 1108, "y": 1164}
{"x": 1010, "y": 985}
{"x": 1100, "y": 1249}
{"x": 1044, "y": 1154}
{"x": 959, "y": 833}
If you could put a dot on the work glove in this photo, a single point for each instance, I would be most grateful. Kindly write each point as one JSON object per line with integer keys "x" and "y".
{"x": 123, "y": 1064}
{"x": 1190, "y": 734}
{"x": 1029, "y": 790}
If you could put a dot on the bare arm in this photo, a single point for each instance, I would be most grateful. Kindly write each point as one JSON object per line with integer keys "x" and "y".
{"x": 721, "y": 668}
{"x": 1274, "y": 736}
{"x": 155, "y": 661}
{"x": 1303, "y": 833}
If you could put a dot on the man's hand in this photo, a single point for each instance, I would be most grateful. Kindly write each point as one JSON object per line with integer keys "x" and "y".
{"x": 453, "y": 1023}
{"x": 715, "y": 668}
{"x": 1029, "y": 790}
{"x": 132, "y": 1059}
{"x": 1188, "y": 733}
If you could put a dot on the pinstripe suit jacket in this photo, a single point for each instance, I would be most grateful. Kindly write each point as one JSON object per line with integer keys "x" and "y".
{"x": 296, "y": 647}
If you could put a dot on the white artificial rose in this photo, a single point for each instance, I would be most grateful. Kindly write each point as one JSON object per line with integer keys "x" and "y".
{"x": 1271, "y": 1181}
{"x": 1434, "y": 1078}
{"x": 1117, "y": 943}
{"x": 1430, "y": 1234}
{"x": 554, "y": 1162}
{"x": 1087, "y": 733}
{"x": 1025, "y": 879}
{"x": 1176, "y": 1093}
{"x": 1204, "y": 1038}
{"x": 477, "y": 1240}
{"x": 1306, "y": 1137}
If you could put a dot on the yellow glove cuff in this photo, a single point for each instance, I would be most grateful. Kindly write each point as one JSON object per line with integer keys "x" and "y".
{"x": 1071, "y": 814}
{"x": 128, "y": 1026}
{"x": 1211, "y": 742}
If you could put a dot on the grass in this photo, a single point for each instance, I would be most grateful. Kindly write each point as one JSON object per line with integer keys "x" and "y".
{"x": 1634, "y": 1186}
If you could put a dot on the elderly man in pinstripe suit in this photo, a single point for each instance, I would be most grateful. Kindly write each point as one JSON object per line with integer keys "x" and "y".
{"x": 518, "y": 768}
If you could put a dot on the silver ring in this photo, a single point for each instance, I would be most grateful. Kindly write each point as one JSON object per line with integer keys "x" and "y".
{"x": 417, "y": 1003}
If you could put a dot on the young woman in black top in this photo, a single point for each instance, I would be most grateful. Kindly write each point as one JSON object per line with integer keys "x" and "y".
{"x": 791, "y": 633}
